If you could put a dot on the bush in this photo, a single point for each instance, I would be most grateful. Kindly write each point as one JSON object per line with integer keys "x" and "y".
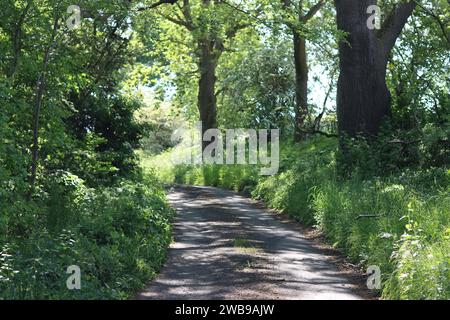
{"x": 116, "y": 235}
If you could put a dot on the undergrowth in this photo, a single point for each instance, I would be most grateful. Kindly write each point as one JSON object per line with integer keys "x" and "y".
{"x": 399, "y": 221}
{"x": 116, "y": 235}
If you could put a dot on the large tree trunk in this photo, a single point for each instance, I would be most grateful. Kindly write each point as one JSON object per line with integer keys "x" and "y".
{"x": 207, "y": 103}
{"x": 301, "y": 86}
{"x": 363, "y": 99}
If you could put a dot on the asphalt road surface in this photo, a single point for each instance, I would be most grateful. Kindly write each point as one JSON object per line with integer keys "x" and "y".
{"x": 228, "y": 247}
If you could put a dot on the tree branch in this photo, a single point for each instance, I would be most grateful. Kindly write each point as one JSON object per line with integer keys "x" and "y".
{"x": 40, "y": 90}
{"x": 186, "y": 10}
{"x": 157, "y": 4}
{"x": 17, "y": 40}
{"x": 182, "y": 23}
{"x": 254, "y": 15}
{"x": 437, "y": 19}
{"x": 312, "y": 11}
{"x": 231, "y": 33}
{"x": 395, "y": 23}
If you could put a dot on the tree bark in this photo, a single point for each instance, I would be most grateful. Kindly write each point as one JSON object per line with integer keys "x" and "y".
{"x": 208, "y": 51}
{"x": 207, "y": 102}
{"x": 301, "y": 87}
{"x": 40, "y": 89}
{"x": 301, "y": 65}
{"x": 16, "y": 40}
{"x": 363, "y": 99}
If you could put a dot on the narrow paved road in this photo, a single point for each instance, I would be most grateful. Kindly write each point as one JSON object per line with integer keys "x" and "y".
{"x": 226, "y": 247}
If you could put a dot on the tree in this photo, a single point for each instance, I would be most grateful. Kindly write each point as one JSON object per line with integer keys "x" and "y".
{"x": 262, "y": 94}
{"x": 363, "y": 99}
{"x": 211, "y": 25}
{"x": 300, "y": 59}
{"x": 64, "y": 105}
{"x": 40, "y": 90}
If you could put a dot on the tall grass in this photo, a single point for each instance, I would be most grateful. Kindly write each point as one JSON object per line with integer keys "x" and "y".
{"x": 400, "y": 222}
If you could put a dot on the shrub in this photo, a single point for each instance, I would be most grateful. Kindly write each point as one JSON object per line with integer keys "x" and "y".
{"x": 116, "y": 235}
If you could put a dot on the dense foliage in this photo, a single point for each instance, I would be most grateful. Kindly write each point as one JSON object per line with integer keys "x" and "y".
{"x": 78, "y": 101}
{"x": 71, "y": 192}
{"x": 117, "y": 236}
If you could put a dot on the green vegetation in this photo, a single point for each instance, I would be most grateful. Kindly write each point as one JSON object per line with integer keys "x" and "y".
{"x": 242, "y": 245}
{"x": 399, "y": 221}
{"x": 71, "y": 190}
{"x": 376, "y": 181}
{"x": 116, "y": 235}
{"x": 88, "y": 109}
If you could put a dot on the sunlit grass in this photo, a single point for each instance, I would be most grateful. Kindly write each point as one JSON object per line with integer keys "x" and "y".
{"x": 400, "y": 222}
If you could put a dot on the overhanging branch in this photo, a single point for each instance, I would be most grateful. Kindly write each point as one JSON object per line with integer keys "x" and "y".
{"x": 312, "y": 11}
{"x": 394, "y": 24}
{"x": 437, "y": 19}
{"x": 157, "y": 4}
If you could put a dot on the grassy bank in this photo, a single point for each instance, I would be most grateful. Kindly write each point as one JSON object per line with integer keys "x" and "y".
{"x": 116, "y": 235}
{"x": 399, "y": 222}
